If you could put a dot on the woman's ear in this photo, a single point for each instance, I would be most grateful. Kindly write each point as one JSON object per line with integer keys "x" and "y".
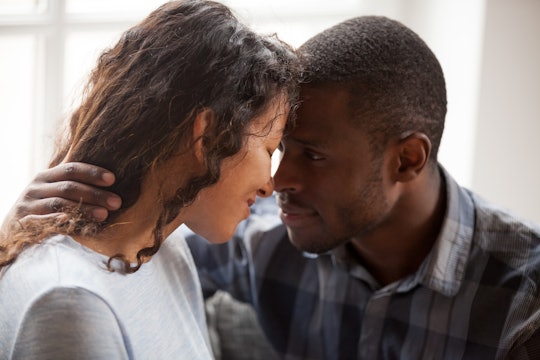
{"x": 413, "y": 155}
{"x": 202, "y": 120}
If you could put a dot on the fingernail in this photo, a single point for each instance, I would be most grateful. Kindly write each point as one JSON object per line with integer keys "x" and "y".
{"x": 114, "y": 202}
{"x": 100, "y": 214}
{"x": 108, "y": 178}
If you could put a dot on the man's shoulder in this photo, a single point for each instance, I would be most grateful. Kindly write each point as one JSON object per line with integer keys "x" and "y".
{"x": 510, "y": 242}
{"x": 497, "y": 226}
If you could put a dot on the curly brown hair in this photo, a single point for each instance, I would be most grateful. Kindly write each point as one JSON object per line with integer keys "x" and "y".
{"x": 141, "y": 101}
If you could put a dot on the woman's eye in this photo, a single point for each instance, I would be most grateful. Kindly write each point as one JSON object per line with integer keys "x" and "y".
{"x": 271, "y": 152}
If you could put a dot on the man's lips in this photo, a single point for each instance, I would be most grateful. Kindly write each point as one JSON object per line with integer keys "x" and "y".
{"x": 289, "y": 208}
{"x": 293, "y": 215}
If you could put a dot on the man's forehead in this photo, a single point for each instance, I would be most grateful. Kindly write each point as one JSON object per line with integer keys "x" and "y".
{"x": 309, "y": 90}
{"x": 313, "y": 140}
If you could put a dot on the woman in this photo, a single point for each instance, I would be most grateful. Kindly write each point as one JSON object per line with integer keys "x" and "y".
{"x": 186, "y": 109}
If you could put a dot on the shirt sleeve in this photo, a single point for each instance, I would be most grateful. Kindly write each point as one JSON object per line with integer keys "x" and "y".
{"x": 529, "y": 350}
{"x": 70, "y": 323}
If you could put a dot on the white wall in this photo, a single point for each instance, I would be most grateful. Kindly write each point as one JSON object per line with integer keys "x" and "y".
{"x": 507, "y": 150}
{"x": 453, "y": 30}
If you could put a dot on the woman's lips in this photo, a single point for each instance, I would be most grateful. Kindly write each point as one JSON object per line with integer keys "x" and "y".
{"x": 249, "y": 203}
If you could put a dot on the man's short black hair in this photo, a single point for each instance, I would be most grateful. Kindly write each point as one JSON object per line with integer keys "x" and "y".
{"x": 396, "y": 81}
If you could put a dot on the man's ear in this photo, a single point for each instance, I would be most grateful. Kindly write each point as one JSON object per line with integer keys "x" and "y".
{"x": 202, "y": 120}
{"x": 413, "y": 155}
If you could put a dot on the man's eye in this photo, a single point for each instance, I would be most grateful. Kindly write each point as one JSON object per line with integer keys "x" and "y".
{"x": 314, "y": 156}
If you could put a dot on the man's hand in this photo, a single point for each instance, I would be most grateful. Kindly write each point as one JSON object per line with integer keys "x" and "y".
{"x": 67, "y": 186}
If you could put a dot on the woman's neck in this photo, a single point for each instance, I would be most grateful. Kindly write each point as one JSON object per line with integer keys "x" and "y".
{"x": 134, "y": 228}
{"x": 131, "y": 231}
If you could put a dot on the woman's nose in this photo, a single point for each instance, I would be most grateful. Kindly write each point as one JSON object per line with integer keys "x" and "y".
{"x": 267, "y": 189}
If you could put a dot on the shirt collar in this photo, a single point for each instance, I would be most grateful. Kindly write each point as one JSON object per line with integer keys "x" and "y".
{"x": 444, "y": 268}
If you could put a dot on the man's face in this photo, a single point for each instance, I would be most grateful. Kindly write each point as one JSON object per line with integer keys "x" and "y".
{"x": 331, "y": 185}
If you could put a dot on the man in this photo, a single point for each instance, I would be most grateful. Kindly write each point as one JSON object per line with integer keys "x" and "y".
{"x": 382, "y": 255}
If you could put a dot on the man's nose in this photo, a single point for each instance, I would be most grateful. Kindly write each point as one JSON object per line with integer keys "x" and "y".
{"x": 286, "y": 177}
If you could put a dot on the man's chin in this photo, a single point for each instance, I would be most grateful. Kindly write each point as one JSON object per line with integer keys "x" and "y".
{"x": 309, "y": 242}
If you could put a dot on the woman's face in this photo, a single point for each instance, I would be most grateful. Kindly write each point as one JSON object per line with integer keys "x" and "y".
{"x": 218, "y": 209}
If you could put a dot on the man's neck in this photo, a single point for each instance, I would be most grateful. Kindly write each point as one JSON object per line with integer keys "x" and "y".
{"x": 398, "y": 246}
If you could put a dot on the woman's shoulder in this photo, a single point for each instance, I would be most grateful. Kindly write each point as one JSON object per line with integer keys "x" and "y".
{"x": 175, "y": 251}
{"x": 52, "y": 264}
{"x": 175, "y": 259}
{"x": 57, "y": 318}
{"x": 38, "y": 259}
{"x": 37, "y": 285}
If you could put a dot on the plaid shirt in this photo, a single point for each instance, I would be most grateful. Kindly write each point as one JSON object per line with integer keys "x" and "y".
{"x": 476, "y": 295}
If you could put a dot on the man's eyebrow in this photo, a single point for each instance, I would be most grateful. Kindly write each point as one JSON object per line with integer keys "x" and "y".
{"x": 318, "y": 144}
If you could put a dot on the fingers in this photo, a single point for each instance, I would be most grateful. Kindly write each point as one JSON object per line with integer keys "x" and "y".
{"x": 79, "y": 172}
{"x": 72, "y": 191}
{"x": 66, "y": 187}
{"x": 53, "y": 207}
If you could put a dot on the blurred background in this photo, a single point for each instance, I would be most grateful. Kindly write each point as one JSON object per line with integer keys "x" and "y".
{"x": 489, "y": 51}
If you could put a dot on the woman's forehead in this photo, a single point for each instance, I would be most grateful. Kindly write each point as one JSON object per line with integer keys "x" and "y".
{"x": 272, "y": 120}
